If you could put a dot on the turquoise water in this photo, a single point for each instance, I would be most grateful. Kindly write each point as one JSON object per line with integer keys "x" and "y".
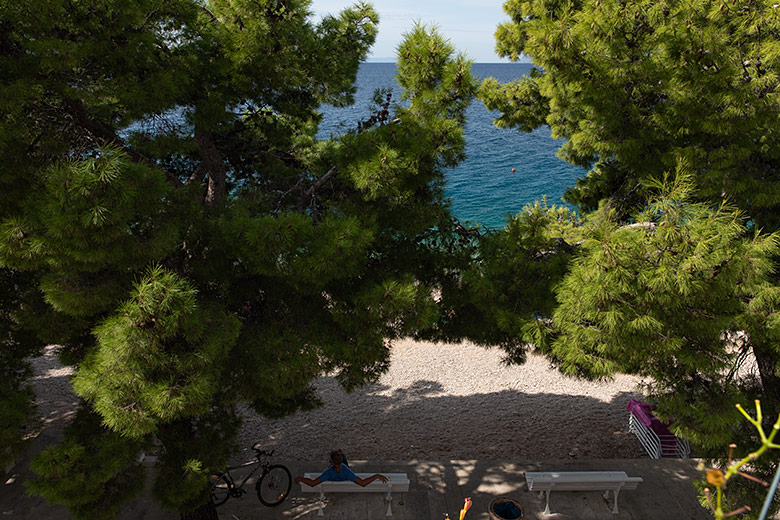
{"x": 483, "y": 189}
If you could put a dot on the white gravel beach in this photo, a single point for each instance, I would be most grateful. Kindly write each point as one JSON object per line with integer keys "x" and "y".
{"x": 437, "y": 402}
{"x": 458, "y": 401}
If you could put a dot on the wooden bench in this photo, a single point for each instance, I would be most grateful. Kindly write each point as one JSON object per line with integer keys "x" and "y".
{"x": 547, "y": 481}
{"x": 396, "y": 483}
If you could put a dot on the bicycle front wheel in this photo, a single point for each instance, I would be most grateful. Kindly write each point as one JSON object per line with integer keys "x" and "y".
{"x": 220, "y": 489}
{"x": 274, "y": 486}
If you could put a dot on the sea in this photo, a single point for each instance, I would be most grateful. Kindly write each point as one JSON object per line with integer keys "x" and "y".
{"x": 483, "y": 190}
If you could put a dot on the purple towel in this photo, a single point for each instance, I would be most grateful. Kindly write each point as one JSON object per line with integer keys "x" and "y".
{"x": 642, "y": 412}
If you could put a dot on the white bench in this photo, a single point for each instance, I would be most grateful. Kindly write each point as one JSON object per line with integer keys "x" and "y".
{"x": 547, "y": 481}
{"x": 396, "y": 483}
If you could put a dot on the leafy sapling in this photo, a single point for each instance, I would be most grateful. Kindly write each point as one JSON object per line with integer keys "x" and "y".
{"x": 719, "y": 479}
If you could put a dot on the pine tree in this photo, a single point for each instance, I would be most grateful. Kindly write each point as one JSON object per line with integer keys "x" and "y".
{"x": 663, "y": 298}
{"x": 505, "y": 280}
{"x": 675, "y": 297}
{"x": 18, "y": 297}
{"x": 635, "y": 88}
{"x": 191, "y": 242}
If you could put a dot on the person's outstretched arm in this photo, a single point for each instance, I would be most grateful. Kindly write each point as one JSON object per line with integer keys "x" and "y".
{"x": 368, "y": 480}
{"x": 308, "y": 481}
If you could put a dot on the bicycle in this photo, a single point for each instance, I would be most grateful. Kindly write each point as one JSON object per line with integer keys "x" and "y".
{"x": 272, "y": 487}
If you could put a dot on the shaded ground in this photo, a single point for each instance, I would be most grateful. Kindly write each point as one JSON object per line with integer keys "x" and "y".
{"x": 439, "y": 487}
{"x": 442, "y": 402}
{"x": 438, "y": 408}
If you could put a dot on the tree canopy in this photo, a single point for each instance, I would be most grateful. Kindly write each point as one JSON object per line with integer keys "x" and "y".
{"x": 637, "y": 89}
{"x": 671, "y": 280}
{"x": 635, "y": 86}
{"x": 170, "y": 218}
{"x": 663, "y": 299}
{"x": 185, "y": 237}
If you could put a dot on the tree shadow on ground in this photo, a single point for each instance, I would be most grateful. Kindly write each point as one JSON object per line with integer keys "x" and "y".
{"x": 452, "y": 446}
{"x": 421, "y": 422}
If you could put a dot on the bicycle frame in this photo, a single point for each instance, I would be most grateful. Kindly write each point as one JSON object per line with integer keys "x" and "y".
{"x": 279, "y": 480}
{"x": 260, "y": 464}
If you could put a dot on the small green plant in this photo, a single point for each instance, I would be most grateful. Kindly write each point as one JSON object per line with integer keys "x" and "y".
{"x": 719, "y": 479}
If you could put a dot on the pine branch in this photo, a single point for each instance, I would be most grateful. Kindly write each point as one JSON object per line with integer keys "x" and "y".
{"x": 197, "y": 175}
{"x": 306, "y": 198}
{"x": 209, "y": 13}
{"x": 284, "y": 195}
{"x": 102, "y": 131}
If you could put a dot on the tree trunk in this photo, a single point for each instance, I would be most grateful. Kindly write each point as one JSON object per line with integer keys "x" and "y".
{"x": 767, "y": 361}
{"x": 212, "y": 165}
{"x": 104, "y": 132}
{"x": 205, "y": 512}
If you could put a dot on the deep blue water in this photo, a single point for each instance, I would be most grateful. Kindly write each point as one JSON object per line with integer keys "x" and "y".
{"x": 482, "y": 189}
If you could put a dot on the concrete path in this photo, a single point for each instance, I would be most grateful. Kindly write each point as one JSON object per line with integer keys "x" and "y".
{"x": 437, "y": 487}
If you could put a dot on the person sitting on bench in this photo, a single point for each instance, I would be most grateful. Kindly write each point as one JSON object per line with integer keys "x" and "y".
{"x": 339, "y": 471}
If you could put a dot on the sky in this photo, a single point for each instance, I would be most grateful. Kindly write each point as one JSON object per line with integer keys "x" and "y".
{"x": 469, "y": 24}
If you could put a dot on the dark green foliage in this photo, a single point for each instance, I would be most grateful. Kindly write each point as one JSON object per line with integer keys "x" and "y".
{"x": 183, "y": 469}
{"x": 659, "y": 298}
{"x": 92, "y": 222}
{"x": 672, "y": 289}
{"x": 163, "y": 191}
{"x": 435, "y": 84}
{"x": 159, "y": 359}
{"x": 502, "y": 293}
{"x": 637, "y": 86}
{"x": 93, "y": 471}
{"x": 19, "y": 301}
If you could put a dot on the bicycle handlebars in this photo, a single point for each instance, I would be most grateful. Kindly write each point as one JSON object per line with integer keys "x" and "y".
{"x": 261, "y": 452}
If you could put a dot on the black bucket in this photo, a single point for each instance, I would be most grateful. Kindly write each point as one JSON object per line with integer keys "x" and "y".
{"x": 506, "y": 508}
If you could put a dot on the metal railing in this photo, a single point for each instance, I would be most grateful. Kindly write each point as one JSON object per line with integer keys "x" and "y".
{"x": 658, "y": 446}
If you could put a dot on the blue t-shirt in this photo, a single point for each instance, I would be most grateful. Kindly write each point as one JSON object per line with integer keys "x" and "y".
{"x": 332, "y": 475}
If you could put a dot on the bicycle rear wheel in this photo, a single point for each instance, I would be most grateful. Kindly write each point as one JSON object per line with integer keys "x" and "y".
{"x": 274, "y": 486}
{"x": 220, "y": 489}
